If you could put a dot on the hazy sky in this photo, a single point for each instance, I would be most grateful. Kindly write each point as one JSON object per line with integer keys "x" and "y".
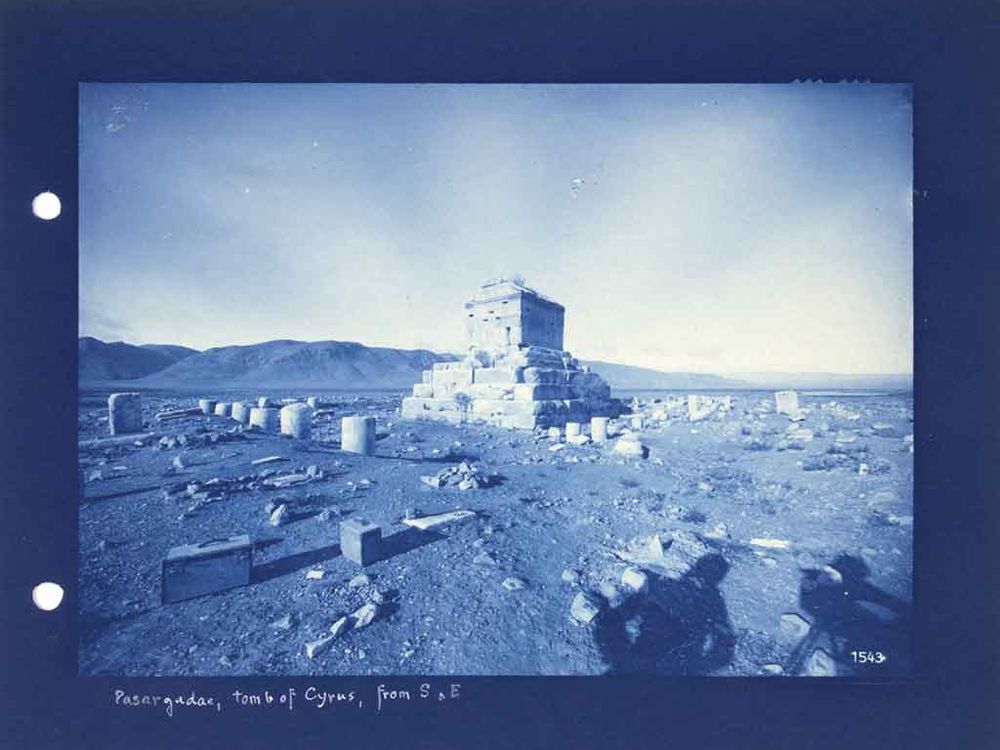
{"x": 709, "y": 228}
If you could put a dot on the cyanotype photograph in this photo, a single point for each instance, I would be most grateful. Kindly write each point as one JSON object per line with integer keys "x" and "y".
{"x": 396, "y": 379}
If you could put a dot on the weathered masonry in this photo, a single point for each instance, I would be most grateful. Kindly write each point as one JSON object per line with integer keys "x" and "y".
{"x": 516, "y": 373}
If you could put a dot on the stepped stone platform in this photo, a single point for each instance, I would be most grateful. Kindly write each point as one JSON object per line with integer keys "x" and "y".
{"x": 507, "y": 379}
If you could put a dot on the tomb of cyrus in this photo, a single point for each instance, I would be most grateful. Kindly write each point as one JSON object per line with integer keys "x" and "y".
{"x": 516, "y": 373}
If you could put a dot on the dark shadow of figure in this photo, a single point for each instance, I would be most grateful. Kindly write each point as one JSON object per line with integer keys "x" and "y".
{"x": 677, "y": 627}
{"x": 851, "y": 615}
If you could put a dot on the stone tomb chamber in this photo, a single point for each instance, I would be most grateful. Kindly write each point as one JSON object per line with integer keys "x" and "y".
{"x": 516, "y": 373}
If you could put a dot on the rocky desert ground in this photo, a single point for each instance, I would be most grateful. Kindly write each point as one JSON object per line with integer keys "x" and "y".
{"x": 743, "y": 543}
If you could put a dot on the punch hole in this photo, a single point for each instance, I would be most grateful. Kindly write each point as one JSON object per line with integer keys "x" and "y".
{"x": 47, "y": 596}
{"x": 46, "y": 206}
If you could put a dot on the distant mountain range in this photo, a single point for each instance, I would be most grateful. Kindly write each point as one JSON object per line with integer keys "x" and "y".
{"x": 103, "y": 362}
{"x": 349, "y": 365}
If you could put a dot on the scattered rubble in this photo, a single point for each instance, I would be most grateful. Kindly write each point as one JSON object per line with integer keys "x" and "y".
{"x": 464, "y": 476}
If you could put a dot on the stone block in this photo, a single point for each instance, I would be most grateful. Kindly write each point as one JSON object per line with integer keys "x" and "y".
{"x": 426, "y": 377}
{"x": 452, "y": 377}
{"x": 357, "y": 435}
{"x": 124, "y": 413}
{"x": 296, "y": 421}
{"x": 360, "y": 540}
{"x": 423, "y": 390}
{"x": 223, "y": 409}
{"x": 573, "y": 429}
{"x": 207, "y": 405}
{"x": 193, "y": 570}
{"x": 540, "y": 392}
{"x": 240, "y": 411}
{"x": 787, "y": 402}
{"x": 599, "y": 429}
{"x": 266, "y": 418}
{"x": 494, "y": 376}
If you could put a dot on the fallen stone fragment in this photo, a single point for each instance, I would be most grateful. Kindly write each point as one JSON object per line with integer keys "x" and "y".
{"x": 672, "y": 558}
{"x": 612, "y": 594}
{"x": 772, "y": 669}
{"x": 285, "y": 623}
{"x": 794, "y": 627}
{"x": 315, "y": 575}
{"x": 820, "y": 664}
{"x": 514, "y": 583}
{"x": 340, "y": 626}
{"x": 635, "y": 580}
{"x": 570, "y": 576}
{"x": 319, "y": 646}
{"x": 829, "y": 576}
{"x": 164, "y": 416}
{"x": 585, "y": 607}
{"x": 719, "y": 531}
{"x": 358, "y": 581}
{"x": 577, "y": 439}
{"x": 766, "y": 543}
{"x": 364, "y": 616}
{"x": 557, "y": 447}
{"x": 630, "y": 445}
{"x": 442, "y": 519}
{"x": 267, "y": 460}
{"x": 287, "y": 480}
{"x": 279, "y": 516}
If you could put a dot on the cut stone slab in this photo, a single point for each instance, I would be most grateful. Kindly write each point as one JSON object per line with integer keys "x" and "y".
{"x": 267, "y": 460}
{"x": 442, "y": 519}
{"x": 124, "y": 413}
{"x": 766, "y": 543}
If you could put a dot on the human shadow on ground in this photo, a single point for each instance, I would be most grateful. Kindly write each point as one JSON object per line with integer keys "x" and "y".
{"x": 852, "y": 621}
{"x": 677, "y": 627}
